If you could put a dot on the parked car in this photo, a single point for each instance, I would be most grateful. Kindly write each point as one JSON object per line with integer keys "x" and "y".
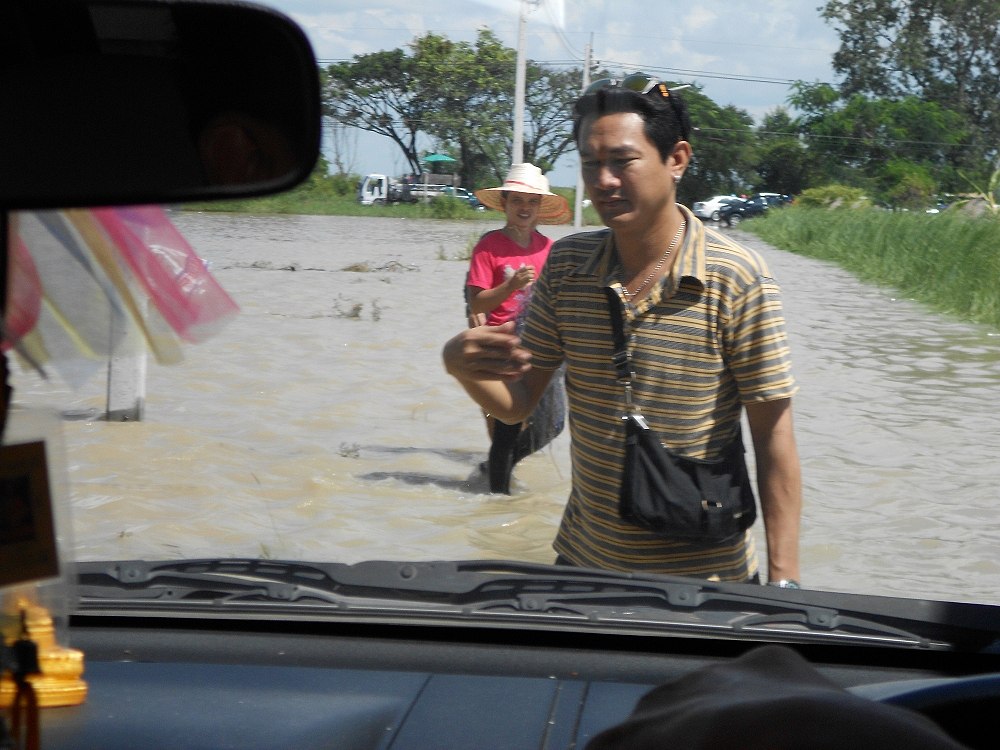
{"x": 734, "y": 210}
{"x": 418, "y": 190}
{"x": 774, "y": 199}
{"x": 466, "y": 195}
{"x": 709, "y": 209}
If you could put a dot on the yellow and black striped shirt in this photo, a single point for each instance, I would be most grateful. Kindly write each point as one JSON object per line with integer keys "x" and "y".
{"x": 707, "y": 339}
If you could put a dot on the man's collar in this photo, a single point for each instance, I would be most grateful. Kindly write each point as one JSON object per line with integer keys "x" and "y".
{"x": 604, "y": 264}
{"x": 690, "y": 261}
{"x": 599, "y": 263}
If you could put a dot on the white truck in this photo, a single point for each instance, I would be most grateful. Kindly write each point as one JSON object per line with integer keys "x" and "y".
{"x": 381, "y": 190}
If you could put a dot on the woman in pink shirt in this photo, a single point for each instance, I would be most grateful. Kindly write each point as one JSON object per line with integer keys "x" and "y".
{"x": 504, "y": 265}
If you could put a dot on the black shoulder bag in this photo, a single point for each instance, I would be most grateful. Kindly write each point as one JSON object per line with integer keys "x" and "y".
{"x": 672, "y": 495}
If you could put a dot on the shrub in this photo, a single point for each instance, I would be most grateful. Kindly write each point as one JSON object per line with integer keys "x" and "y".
{"x": 833, "y": 196}
{"x": 448, "y": 207}
{"x": 911, "y": 186}
{"x": 344, "y": 184}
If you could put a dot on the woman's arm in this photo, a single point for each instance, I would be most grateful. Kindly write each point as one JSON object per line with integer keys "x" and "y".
{"x": 486, "y": 300}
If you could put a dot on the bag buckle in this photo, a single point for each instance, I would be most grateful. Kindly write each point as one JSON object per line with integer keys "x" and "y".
{"x": 638, "y": 419}
{"x": 629, "y": 406}
{"x": 621, "y": 361}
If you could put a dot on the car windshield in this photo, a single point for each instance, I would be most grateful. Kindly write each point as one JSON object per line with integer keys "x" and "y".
{"x": 359, "y": 448}
{"x": 317, "y": 422}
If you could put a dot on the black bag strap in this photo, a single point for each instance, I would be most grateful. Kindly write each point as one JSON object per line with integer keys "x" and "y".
{"x": 620, "y": 356}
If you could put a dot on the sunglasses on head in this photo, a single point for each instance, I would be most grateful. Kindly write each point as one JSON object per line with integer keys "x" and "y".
{"x": 641, "y": 83}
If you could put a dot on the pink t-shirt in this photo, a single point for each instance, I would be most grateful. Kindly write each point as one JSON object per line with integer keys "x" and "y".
{"x": 495, "y": 258}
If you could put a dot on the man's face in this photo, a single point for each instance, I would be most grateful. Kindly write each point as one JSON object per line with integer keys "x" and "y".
{"x": 625, "y": 177}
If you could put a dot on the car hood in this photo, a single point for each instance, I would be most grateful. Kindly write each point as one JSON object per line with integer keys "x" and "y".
{"x": 511, "y": 594}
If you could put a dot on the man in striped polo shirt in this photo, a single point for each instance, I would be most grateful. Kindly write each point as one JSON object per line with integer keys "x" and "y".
{"x": 706, "y": 335}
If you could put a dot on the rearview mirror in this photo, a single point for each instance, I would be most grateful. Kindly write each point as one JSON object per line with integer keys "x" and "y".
{"x": 113, "y": 102}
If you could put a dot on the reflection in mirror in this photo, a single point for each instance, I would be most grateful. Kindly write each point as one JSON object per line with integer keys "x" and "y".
{"x": 115, "y": 103}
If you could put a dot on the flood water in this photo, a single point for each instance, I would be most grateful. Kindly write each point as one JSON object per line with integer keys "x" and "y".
{"x": 320, "y": 425}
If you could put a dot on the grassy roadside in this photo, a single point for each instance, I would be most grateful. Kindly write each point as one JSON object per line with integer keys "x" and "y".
{"x": 320, "y": 204}
{"x": 948, "y": 261}
{"x": 317, "y": 201}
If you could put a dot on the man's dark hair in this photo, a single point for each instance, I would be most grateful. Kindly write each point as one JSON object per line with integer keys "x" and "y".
{"x": 666, "y": 118}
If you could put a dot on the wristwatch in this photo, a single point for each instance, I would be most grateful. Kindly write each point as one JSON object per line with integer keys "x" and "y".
{"x": 785, "y": 583}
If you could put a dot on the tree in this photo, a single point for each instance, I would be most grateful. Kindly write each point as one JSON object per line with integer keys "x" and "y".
{"x": 945, "y": 51}
{"x": 782, "y": 159}
{"x": 458, "y": 94}
{"x": 468, "y": 90}
{"x": 724, "y": 149}
{"x": 377, "y": 92}
{"x": 863, "y": 141}
{"x": 343, "y": 148}
{"x": 548, "y": 105}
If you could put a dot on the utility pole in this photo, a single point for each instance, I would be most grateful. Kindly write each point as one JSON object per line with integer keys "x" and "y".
{"x": 517, "y": 150}
{"x": 578, "y": 203}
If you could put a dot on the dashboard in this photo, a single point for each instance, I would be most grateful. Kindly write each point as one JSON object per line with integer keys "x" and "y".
{"x": 159, "y": 683}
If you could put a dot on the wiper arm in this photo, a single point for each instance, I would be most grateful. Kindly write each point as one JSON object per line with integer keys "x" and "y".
{"x": 821, "y": 618}
{"x": 504, "y": 590}
{"x": 475, "y": 585}
{"x": 218, "y": 582}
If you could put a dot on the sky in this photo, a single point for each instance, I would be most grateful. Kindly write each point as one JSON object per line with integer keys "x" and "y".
{"x": 741, "y": 52}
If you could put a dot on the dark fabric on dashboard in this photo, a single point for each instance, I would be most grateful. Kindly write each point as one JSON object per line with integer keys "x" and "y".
{"x": 770, "y": 698}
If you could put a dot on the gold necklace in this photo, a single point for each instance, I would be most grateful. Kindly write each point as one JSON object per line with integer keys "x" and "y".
{"x": 663, "y": 259}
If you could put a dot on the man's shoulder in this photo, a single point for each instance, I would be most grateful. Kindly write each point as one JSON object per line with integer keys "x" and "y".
{"x": 585, "y": 242}
{"x": 576, "y": 254}
{"x": 578, "y": 250}
{"x": 722, "y": 252}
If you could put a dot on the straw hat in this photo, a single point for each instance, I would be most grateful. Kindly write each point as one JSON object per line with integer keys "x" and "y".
{"x": 527, "y": 178}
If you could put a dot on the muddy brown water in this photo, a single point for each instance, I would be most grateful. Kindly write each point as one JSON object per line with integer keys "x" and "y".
{"x": 320, "y": 425}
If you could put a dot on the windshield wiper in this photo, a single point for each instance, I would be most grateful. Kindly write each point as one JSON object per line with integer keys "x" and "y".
{"x": 504, "y": 590}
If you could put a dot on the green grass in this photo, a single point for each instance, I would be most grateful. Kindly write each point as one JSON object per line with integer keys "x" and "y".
{"x": 949, "y": 261}
{"x": 309, "y": 200}
{"x": 319, "y": 204}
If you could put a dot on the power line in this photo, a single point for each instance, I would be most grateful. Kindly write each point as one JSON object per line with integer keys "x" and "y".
{"x": 396, "y": 122}
{"x": 684, "y": 72}
{"x": 839, "y": 138}
{"x": 646, "y": 68}
{"x": 561, "y": 34}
